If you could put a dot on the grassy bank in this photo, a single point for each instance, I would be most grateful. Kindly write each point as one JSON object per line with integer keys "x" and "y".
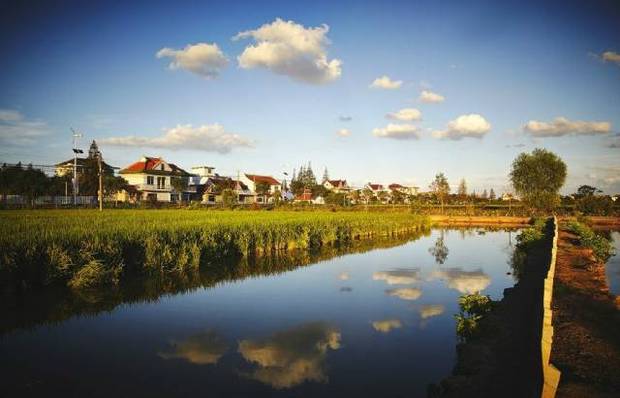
{"x": 85, "y": 248}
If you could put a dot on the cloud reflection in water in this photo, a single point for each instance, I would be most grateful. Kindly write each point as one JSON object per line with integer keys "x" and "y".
{"x": 293, "y": 356}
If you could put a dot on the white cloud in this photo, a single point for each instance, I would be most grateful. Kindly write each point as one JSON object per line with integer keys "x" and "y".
{"x": 405, "y": 293}
{"x": 398, "y": 276}
{"x": 561, "y": 126}
{"x": 386, "y": 83}
{"x": 430, "y": 97}
{"x": 466, "y": 282}
{"x": 203, "y": 59}
{"x": 611, "y": 56}
{"x": 473, "y": 125}
{"x": 288, "y": 48}
{"x": 387, "y": 325}
{"x": 15, "y": 129}
{"x": 343, "y": 132}
{"x": 208, "y": 137}
{"x": 405, "y": 115}
{"x": 397, "y": 131}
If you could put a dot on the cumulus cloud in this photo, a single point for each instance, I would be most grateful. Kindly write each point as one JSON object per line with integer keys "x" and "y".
{"x": 208, "y": 137}
{"x": 15, "y": 129}
{"x": 293, "y": 356}
{"x": 405, "y": 115}
{"x": 397, "y": 132}
{"x": 385, "y": 83}
{"x": 290, "y": 49}
{"x": 387, "y": 325}
{"x": 343, "y": 132}
{"x": 466, "y": 282}
{"x": 201, "y": 349}
{"x": 203, "y": 59}
{"x": 430, "y": 97}
{"x": 561, "y": 126}
{"x": 611, "y": 56}
{"x": 405, "y": 293}
{"x": 401, "y": 276}
{"x": 431, "y": 310}
{"x": 472, "y": 125}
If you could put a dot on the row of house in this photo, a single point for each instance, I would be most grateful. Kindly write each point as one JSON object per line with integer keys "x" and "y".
{"x": 155, "y": 179}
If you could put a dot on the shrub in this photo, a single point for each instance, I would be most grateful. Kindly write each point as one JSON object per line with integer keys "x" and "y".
{"x": 601, "y": 247}
{"x": 473, "y": 307}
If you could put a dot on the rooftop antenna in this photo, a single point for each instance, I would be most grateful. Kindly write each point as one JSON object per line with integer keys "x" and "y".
{"x": 76, "y": 151}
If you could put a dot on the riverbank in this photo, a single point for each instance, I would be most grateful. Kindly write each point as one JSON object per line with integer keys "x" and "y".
{"x": 467, "y": 221}
{"x": 85, "y": 248}
{"x": 586, "y": 319}
{"x": 504, "y": 358}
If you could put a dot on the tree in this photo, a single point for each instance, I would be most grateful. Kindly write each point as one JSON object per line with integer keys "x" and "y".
{"x": 179, "y": 184}
{"x": 587, "y": 190}
{"x": 492, "y": 195}
{"x": 398, "y": 197}
{"x": 485, "y": 195}
{"x": 462, "y": 190}
{"x": 440, "y": 188}
{"x": 588, "y": 202}
{"x": 325, "y": 176}
{"x": 229, "y": 197}
{"x": 537, "y": 178}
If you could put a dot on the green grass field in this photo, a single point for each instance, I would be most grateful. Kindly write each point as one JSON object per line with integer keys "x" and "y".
{"x": 85, "y": 248}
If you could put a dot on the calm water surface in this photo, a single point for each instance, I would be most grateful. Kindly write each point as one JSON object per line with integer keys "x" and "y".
{"x": 613, "y": 266}
{"x": 376, "y": 324}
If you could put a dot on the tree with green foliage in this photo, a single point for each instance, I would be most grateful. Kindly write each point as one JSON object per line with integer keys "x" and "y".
{"x": 440, "y": 188}
{"x": 588, "y": 202}
{"x": 537, "y": 178}
{"x": 229, "y": 197}
{"x": 462, "y": 189}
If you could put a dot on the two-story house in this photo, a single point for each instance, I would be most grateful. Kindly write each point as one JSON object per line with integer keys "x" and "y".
{"x": 337, "y": 186}
{"x": 254, "y": 180}
{"x": 152, "y": 178}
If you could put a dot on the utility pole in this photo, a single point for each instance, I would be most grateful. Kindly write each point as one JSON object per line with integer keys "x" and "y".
{"x": 76, "y": 135}
{"x": 100, "y": 182}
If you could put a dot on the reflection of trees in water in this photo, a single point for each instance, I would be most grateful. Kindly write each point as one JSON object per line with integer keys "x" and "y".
{"x": 439, "y": 250}
{"x": 293, "y": 356}
{"x": 54, "y": 305}
{"x": 204, "y": 348}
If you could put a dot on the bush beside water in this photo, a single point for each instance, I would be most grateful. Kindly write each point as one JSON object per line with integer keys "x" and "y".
{"x": 601, "y": 247}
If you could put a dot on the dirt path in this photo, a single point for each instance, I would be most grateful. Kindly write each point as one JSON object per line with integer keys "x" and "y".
{"x": 586, "y": 319}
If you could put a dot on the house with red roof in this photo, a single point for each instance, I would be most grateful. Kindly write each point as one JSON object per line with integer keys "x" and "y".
{"x": 406, "y": 190}
{"x": 337, "y": 185}
{"x": 151, "y": 177}
{"x": 254, "y": 180}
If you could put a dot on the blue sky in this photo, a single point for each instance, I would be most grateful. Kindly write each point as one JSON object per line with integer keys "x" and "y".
{"x": 507, "y": 72}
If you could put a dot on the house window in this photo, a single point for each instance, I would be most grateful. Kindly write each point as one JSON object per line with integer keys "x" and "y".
{"x": 161, "y": 182}
{"x": 211, "y": 198}
{"x": 150, "y": 180}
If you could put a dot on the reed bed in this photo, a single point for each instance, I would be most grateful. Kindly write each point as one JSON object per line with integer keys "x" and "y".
{"x": 84, "y": 248}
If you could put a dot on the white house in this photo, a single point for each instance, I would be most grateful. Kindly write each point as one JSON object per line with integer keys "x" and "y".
{"x": 403, "y": 189}
{"x": 337, "y": 186}
{"x": 151, "y": 177}
{"x": 252, "y": 180}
